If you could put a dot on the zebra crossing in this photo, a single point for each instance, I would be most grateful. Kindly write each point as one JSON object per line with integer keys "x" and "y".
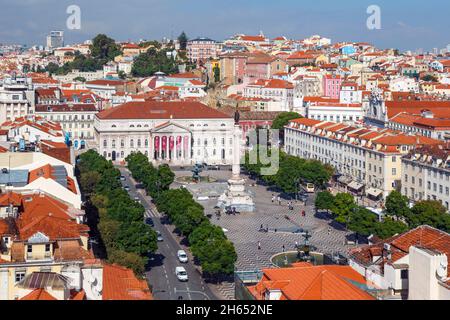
{"x": 149, "y": 213}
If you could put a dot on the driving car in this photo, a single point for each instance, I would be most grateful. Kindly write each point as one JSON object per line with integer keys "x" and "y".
{"x": 182, "y": 256}
{"x": 181, "y": 274}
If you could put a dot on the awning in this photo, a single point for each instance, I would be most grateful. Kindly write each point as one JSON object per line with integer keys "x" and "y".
{"x": 374, "y": 192}
{"x": 344, "y": 179}
{"x": 355, "y": 185}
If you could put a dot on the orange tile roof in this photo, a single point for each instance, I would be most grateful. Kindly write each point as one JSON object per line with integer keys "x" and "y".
{"x": 10, "y": 198}
{"x": 161, "y": 110}
{"x": 403, "y": 139}
{"x": 120, "y": 283}
{"x": 327, "y": 282}
{"x": 422, "y": 236}
{"x": 39, "y": 294}
{"x": 49, "y": 216}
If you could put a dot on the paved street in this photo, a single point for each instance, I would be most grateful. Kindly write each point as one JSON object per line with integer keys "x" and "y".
{"x": 161, "y": 273}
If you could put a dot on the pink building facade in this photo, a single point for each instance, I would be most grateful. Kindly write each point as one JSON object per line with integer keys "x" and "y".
{"x": 202, "y": 49}
{"x": 332, "y": 86}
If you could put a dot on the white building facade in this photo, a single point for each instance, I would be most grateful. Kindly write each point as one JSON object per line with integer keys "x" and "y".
{"x": 176, "y": 133}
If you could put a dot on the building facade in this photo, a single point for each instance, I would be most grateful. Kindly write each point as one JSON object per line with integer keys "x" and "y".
{"x": 367, "y": 159}
{"x": 176, "y": 133}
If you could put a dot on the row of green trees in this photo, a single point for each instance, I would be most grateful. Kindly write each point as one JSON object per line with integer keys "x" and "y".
{"x": 292, "y": 171}
{"x": 429, "y": 212}
{"x": 399, "y": 216}
{"x": 119, "y": 219}
{"x": 209, "y": 245}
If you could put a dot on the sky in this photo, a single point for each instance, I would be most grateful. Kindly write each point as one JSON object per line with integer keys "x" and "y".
{"x": 405, "y": 24}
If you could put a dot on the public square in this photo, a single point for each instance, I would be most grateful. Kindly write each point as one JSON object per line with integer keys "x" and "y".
{"x": 244, "y": 229}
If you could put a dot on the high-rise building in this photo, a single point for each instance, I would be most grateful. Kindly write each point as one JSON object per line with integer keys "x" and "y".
{"x": 55, "y": 39}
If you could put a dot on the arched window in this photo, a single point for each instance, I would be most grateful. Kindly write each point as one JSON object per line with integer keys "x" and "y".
{"x": 113, "y": 126}
{"x": 223, "y": 125}
{"x": 139, "y": 126}
{"x": 132, "y": 126}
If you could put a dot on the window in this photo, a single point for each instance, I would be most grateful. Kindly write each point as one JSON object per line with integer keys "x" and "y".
{"x": 47, "y": 247}
{"x": 29, "y": 248}
{"x": 394, "y": 171}
{"x": 105, "y": 143}
{"x": 20, "y": 275}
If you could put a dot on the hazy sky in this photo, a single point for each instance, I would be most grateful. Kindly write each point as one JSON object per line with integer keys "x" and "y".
{"x": 405, "y": 24}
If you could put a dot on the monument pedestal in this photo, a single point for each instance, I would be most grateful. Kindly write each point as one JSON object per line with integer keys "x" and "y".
{"x": 237, "y": 197}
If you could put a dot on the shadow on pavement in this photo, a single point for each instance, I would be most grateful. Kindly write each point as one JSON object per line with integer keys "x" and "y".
{"x": 155, "y": 260}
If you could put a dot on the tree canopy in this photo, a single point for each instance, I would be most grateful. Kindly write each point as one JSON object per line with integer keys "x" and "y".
{"x": 209, "y": 244}
{"x": 183, "y": 39}
{"x": 152, "y": 61}
{"x": 126, "y": 238}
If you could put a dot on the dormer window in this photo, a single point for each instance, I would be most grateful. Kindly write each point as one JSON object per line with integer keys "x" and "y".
{"x": 29, "y": 248}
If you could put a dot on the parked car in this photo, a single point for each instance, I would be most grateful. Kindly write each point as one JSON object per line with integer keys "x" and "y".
{"x": 127, "y": 188}
{"x": 159, "y": 237}
{"x": 182, "y": 256}
{"x": 122, "y": 178}
{"x": 149, "y": 221}
{"x": 181, "y": 274}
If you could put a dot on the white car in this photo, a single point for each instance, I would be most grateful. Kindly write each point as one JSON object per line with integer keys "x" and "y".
{"x": 182, "y": 256}
{"x": 181, "y": 274}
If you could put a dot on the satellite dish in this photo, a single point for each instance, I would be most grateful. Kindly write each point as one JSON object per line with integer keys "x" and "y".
{"x": 441, "y": 271}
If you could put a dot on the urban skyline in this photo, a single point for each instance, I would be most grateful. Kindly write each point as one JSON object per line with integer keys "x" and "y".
{"x": 401, "y": 27}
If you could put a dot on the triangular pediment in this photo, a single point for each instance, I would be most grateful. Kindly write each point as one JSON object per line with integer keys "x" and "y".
{"x": 169, "y": 127}
{"x": 38, "y": 237}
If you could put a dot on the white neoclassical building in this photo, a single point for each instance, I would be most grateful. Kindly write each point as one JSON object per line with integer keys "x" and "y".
{"x": 176, "y": 133}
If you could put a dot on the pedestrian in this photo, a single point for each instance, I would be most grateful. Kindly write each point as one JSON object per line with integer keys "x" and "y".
{"x": 279, "y": 200}
{"x": 296, "y": 245}
{"x": 283, "y": 248}
{"x": 261, "y": 228}
{"x": 303, "y": 213}
{"x": 259, "y": 245}
{"x": 273, "y": 197}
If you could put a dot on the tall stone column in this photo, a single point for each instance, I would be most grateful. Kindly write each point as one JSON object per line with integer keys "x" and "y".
{"x": 236, "y": 152}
